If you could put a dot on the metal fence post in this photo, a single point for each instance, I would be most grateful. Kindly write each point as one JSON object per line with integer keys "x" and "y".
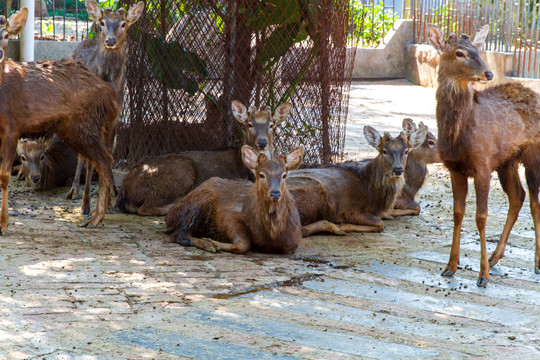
{"x": 27, "y": 35}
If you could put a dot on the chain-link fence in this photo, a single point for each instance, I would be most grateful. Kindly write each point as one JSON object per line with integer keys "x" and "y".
{"x": 188, "y": 60}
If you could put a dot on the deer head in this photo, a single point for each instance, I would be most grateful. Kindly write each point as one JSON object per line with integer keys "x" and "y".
{"x": 32, "y": 154}
{"x": 393, "y": 151}
{"x": 113, "y": 25}
{"x": 460, "y": 60}
{"x": 259, "y": 124}
{"x": 11, "y": 27}
{"x": 270, "y": 175}
{"x": 428, "y": 152}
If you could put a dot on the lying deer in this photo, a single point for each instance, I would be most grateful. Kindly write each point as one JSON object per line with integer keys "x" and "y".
{"x": 415, "y": 171}
{"x": 155, "y": 185}
{"x": 350, "y": 197}
{"x": 237, "y": 215}
{"x": 46, "y": 163}
{"x": 105, "y": 56}
{"x": 61, "y": 97}
{"x": 481, "y": 132}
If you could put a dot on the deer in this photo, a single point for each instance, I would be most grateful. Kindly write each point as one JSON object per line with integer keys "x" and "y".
{"x": 484, "y": 131}
{"x": 415, "y": 171}
{"x": 62, "y": 97}
{"x": 152, "y": 187}
{"x": 349, "y": 197}
{"x": 105, "y": 56}
{"x": 46, "y": 163}
{"x": 238, "y": 215}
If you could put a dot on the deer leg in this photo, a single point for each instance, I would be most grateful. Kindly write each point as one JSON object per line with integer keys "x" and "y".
{"x": 459, "y": 190}
{"x": 404, "y": 206}
{"x": 85, "y": 207}
{"x": 321, "y": 226}
{"x": 74, "y": 191}
{"x": 511, "y": 184}
{"x": 8, "y": 156}
{"x": 532, "y": 173}
{"x": 481, "y": 185}
{"x": 104, "y": 194}
{"x": 145, "y": 210}
{"x": 241, "y": 246}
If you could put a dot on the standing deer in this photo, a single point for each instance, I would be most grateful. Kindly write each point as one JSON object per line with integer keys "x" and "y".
{"x": 61, "y": 97}
{"x": 105, "y": 56}
{"x": 350, "y": 195}
{"x": 239, "y": 215}
{"x": 481, "y": 132}
{"x": 46, "y": 164}
{"x": 155, "y": 185}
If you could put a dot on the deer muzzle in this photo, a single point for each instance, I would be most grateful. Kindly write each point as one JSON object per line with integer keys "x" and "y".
{"x": 110, "y": 42}
{"x": 262, "y": 143}
{"x": 397, "y": 171}
{"x": 35, "y": 178}
{"x": 275, "y": 195}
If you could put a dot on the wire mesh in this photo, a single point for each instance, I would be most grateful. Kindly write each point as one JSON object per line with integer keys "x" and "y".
{"x": 188, "y": 60}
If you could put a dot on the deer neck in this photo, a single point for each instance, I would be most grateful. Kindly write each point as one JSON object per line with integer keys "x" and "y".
{"x": 454, "y": 111}
{"x": 415, "y": 174}
{"x": 382, "y": 186}
{"x": 271, "y": 215}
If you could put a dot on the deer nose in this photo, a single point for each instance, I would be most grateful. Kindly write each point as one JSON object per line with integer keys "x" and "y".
{"x": 275, "y": 195}
{"x": 262, "y": 144}
{"x": 35, "y": 178}
{"x": 488, "y": 75}
{"x": 398, "y": 171}
{"x": 110, "y": 41}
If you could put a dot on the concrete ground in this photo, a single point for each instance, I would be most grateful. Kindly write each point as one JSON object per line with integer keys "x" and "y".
{"x": 122, "y": 292}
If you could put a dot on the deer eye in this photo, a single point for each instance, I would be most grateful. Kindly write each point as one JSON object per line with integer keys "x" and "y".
{"x": 42, "y": 157}
{"x": 384, "y": 152}
{"x": 101, "y": 23}
{"x": 271, "y": 125}
{"x": 262, "y": 176}
{"x": 406, "y": 152}
{"x": 6, "y": 36}
{"x": 431, "y": 143}
{"x": 284, "y": 176}
{"x": 23, "y": 158}
{"x": 460, "y": 54}
{"x": 123, "y": 25}
{"x": 250, "y": 125}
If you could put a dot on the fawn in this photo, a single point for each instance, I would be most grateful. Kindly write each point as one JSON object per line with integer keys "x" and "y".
{"x": 481, "y": 132}
{"x": 155, "y": 185}
{"x": 105, "y": 56}
{"x": 353, "y": 196}
{"x": 239, "y": 215}
{"x": 62, "y": 97}
{"x": 46, "y": 163}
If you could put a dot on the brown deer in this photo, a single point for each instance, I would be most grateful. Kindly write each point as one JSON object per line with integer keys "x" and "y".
{"x": 46, "y": 163}
{"x": 481, "y": 132}
{"x": 415, "y": 171}
{"x": 105, "y": 56}
{"x": 155, "y": 185}
{"x": 351, "y": 195}
{"x": 237, "y": 215}
{"x": 62, "y": 97}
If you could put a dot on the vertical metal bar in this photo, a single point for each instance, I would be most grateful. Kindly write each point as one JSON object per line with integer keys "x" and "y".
{"x": 77, "y": 20}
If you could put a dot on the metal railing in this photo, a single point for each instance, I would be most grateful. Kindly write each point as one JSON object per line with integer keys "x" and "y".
{"x": 514, "y": 26}
{"x": 371, "y": 20}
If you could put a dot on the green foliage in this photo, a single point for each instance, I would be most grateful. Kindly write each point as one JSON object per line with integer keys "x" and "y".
{"x": 370, "y": 24}
{"x": 444, "y": 12}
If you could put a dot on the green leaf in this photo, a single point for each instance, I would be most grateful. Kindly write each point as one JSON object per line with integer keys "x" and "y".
{"x": 277, "y": 45}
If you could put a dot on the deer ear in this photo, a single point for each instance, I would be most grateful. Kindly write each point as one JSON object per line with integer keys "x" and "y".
{"x": 281, "y": 113}
{"x": 436, "y": 37}
{"x": 408, "y": 125}
{"x": 239, "y": 111}
{"x": 94, "y": 10}
{"x": 250, "y": 157}
{"x": 373, "y": 137}
{"x": 480, "y": 36}
{"x": 135, "y": 12}
{"x": 294, "y": 159}
{"x": 16, "y": 22}
{"x": 418, "y": 137}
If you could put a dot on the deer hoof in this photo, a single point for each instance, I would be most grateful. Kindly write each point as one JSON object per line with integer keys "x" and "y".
{"x": 72, "y": 195}
{"x": 537, "y": 269}
{"x": 482, "y": 282}
{"x": 493, "y": 262}
{"x": 448, "y": 273}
